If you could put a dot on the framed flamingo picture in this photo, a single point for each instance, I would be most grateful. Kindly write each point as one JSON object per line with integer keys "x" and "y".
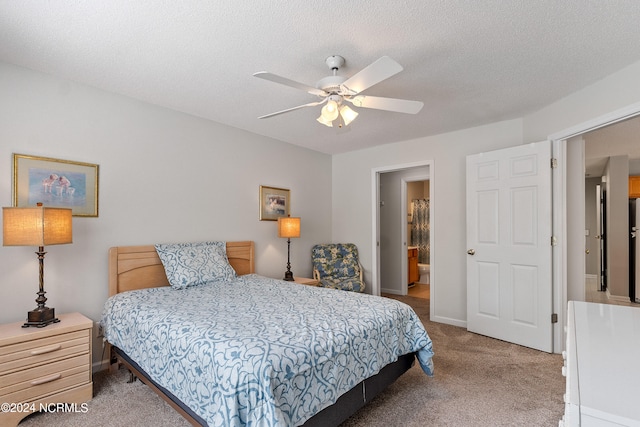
{"x": 55, "y": 183}
{"x": 274, "y": 203}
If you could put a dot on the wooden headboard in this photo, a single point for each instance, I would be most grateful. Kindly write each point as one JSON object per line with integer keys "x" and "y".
{"x": 139, "y": 267}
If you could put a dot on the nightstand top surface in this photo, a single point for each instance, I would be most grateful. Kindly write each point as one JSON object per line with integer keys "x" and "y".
{"x": 11, "y": 333}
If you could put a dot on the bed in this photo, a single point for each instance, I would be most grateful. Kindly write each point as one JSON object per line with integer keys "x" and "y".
{"x": 244, "y": 349}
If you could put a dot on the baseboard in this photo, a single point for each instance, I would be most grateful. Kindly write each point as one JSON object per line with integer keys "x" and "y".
{"x": 390, "y": 291}
{"x": 448, "y": 321}
{"x": 591, "y": 278}
{"x": 619, "y": 298}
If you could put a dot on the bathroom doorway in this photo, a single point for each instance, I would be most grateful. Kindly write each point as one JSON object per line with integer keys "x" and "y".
{"x": 418, "y": 238}
{"x": 389, "y": 214}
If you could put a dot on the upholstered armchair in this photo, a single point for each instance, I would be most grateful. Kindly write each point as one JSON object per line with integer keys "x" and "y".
{"x": 336, "y": 265}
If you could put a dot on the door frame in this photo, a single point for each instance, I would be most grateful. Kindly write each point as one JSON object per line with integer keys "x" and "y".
{"x": 561, "y": 274}
{"x": 375, "y": 212}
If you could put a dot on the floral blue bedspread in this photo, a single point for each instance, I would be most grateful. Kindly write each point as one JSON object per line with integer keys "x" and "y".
{"x": 259, "y": 351}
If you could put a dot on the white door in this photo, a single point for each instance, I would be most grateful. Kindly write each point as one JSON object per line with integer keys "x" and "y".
{"x": 509, "y": 233}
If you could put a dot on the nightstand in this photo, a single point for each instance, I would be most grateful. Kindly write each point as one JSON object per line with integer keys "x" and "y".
{"x": 44, "y": 366}
{"x": 305, "y": 281}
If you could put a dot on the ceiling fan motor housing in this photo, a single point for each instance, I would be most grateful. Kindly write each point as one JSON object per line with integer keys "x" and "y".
{"x": 331, "y": 84}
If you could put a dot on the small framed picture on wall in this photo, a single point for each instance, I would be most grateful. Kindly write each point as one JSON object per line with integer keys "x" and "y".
{"x": 274, "y": 203}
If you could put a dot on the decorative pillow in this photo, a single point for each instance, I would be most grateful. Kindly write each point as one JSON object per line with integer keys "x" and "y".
{"x": 193, "y": 264}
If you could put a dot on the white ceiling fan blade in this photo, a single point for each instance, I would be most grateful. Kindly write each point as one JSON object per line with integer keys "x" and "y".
{"x": 291, "y": 83}
{"x": 310, "y": 104}
{"x": 380, "y": 70}
{"x": 388, "y": 104}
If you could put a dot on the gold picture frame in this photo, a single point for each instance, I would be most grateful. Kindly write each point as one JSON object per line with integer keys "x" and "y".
{"x": 55, "y": 183}
{"x": 274, "y": 203}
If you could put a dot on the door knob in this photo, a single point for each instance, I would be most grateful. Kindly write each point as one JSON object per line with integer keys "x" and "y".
{"x": 471, "y": 252}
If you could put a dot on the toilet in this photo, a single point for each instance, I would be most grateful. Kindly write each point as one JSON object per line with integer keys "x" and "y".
{"x": 424, "y": 270}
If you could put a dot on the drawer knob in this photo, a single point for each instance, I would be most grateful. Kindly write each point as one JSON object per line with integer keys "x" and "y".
{"x": 46, "y": 379}
{"x": 44, "y": 350}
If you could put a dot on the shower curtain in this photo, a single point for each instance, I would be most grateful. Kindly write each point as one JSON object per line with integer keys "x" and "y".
{"x": 420, "y": 229}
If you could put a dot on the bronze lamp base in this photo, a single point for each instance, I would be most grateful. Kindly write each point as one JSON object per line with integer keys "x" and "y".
{"x": 41, "y": 317}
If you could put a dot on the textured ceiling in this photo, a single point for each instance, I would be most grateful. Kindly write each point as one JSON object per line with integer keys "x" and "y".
{"x": 470, "y": 62}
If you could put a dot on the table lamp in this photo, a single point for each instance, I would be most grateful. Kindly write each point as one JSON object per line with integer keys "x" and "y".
{"x": 288, "y": 227}
{"x": 37, "y": 226}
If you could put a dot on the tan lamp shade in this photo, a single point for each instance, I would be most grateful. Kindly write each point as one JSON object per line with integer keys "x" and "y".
{"x": 38, "y": 226}
{"x": 288, "y": 227}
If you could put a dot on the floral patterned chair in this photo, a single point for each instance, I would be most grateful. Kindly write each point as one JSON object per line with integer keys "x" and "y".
{"x": 336, "y": 265}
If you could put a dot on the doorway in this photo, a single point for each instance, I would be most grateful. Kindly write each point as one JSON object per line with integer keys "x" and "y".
{"x": 569, "y": 261}
{"x": 611, "y": 156}
{"x": 390, "y": 235}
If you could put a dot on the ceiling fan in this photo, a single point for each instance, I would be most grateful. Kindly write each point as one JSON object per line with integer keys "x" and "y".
{"x": 335, "y": 91}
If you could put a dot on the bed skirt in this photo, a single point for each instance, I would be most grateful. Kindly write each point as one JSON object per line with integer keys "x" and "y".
{"x": 347, "y": 405}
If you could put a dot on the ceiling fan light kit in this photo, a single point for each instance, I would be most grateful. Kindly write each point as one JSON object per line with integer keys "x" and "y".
{"x": 324, "y": 121}
{"x": 329, "y": 114}
{"x": 330, "y": 111}
{"x": 336, "y": 90}
{"x": 347, "y": 114}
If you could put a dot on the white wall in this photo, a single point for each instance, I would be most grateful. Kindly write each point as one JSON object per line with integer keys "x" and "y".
{"x": 352, "y": 204}
{"x": 164, "y": 177}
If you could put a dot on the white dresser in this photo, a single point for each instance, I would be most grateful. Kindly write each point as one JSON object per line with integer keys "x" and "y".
{"x": 602, "y": 365}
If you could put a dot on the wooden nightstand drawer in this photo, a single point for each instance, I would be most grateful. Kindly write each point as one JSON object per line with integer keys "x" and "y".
{"x": 32, "y": 353}
{"x": 30, "y": 384}
{"x": 45, "y": 365}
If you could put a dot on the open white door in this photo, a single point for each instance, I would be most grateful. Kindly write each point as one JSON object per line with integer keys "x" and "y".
{"x": 509, "y": 238}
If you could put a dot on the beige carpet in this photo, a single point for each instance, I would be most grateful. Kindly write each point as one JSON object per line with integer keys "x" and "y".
{"x": 478, "y": 381}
